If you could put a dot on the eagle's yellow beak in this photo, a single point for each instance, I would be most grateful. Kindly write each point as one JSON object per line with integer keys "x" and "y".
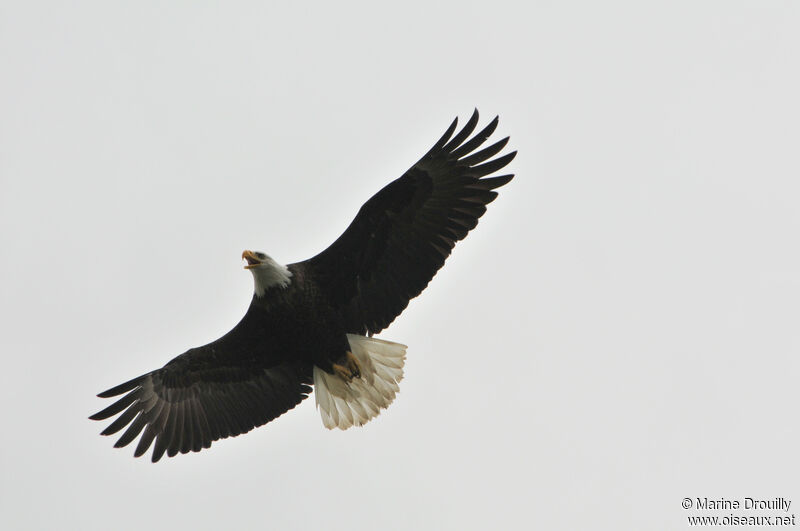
{"x": 252, "y": 259}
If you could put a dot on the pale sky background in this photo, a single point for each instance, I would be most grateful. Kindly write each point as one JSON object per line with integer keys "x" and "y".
{"x": 620, "y": 332}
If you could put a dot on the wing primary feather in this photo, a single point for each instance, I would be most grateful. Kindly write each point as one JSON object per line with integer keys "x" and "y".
{"x": 122, "y": 388}
{"x": 133, "y": 430}
{"x": 493, "y": 165}
{"x": 485, "y": 153}
{"x": 490, "y": 183}
{"x": 462, "y": 135}
{"x": 160, "y": 421}
{"x": 121, "y": 421}
{"x": 445, "y": 137}
{"x": 162, "y": 441}
{"x": 117, "y": 406}
{"x": 146, "y": 440}
{"x": 475, "y": 142}
{"x": 154, "y": 412}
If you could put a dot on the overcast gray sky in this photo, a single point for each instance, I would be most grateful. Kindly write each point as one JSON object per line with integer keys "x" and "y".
{"x": 620, "y": 332}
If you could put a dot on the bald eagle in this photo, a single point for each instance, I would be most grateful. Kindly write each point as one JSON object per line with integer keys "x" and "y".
{"x": 311, "y": 323}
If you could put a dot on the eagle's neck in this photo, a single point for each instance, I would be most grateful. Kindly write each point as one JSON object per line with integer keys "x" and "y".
{"x": 270, "y": 274}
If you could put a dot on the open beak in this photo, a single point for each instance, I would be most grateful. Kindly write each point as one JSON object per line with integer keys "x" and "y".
{"x": 252, "y": 259}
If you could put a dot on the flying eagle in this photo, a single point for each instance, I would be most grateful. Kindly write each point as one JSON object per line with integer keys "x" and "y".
{"x": 311, "y": 323}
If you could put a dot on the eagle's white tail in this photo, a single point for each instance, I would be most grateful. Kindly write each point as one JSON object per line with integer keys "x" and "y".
{"x": 343, "y": 404}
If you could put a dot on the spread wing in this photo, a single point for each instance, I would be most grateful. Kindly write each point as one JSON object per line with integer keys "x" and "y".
{"x": 403, "y": 234}
{"x": 196, "y": 399}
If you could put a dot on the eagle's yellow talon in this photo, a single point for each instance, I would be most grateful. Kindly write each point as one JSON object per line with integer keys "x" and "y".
{"x": 349, "y": 369}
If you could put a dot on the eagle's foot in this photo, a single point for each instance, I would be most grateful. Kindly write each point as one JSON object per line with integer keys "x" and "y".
{"x": 349, "y": 369}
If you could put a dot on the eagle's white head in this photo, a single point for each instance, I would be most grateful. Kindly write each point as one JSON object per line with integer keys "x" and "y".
{"x": 267, "y": 273}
